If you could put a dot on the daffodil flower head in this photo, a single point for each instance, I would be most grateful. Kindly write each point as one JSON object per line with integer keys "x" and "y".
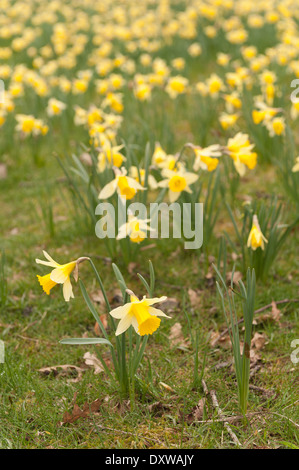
{"x": 140, "y": 314}
{"x": 110, "y": 155}
{"x": 205, "y": 158}
{"x": 177, "y": 181}
{"x": 125, "y": 186}
{"x": 135, "y": 228}
{"x": 59, "y": 275}
{"x": 256, "y": 239}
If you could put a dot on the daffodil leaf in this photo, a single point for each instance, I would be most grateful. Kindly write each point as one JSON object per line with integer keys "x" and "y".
{"x": 85, "y": 341}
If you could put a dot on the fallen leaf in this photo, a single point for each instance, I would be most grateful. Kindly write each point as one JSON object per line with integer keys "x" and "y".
{"x": 258, "y": 341}
{"x": 66, "y": 369}
{"x": 84, "y": 413}
{"x": 274, "y": 316}
{"x": 131, "y": 267}
{"x": 93, "y": 360}
{"x": 98, "y": 297}
{"x": 275, "y": 312}
{"x": 3, "y": 171}
{"x": 169, "y": 305}
{"x": 176, "y": 337}
{"x": 194, "y": 297}
{"x": 196, "y": 413}
{"x": 116, "y": 299}
{"x": 237, "y": 276}
{"x": 158, "y": 407}
{"x": 217, "y": 338}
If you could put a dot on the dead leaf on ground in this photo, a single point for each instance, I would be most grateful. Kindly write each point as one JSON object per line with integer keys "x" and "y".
{"x": 66, "y": 369}
{"x": 176, "y": 336}
{"x": 195, "y": 297}
{"x": 97, "y": 328}
{"x": 237, "y": 276}
{"x": 88, "y": 409}
{"x": 132, "y": 267}
{"x": 216, "y": 338}
{"x": 258, "y": 341}
{"x": 169, "y": 305}
{"x": 116, "y": 298}
{"x": 3, "y": 171}
{"x": 158, "y": 407}
{"x": 98, "y": 297}
{"x": 196, "y": 413}
{"x": 274, "y": 316}
{"x": 94, "y": 361}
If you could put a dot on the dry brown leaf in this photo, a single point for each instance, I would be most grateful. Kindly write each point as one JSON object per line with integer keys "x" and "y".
{"x": 258, "y": 341}
{"x": 3, "y": 171}
{"x": 158, "y": 407}
{"x": 196, "y": 413}
{"x": 66, "y": 369}
{"x": 194, "y": 297}
{"x": 97, "y": 328}
{"x": 84, "y": 413}
{"x": 98, "y": 297}
{"x": 237, "y": 276}
{"x": 216, "y": 338}
{"x": 275, "y": 312}
{"x": 275, "y": 315}
{"x": 131, "y": 267}
{"x": 176, "y": 336}
{"x": 169, "y": 305}
{"x": 92, "y": 360}
{"x": 116, "y": 298}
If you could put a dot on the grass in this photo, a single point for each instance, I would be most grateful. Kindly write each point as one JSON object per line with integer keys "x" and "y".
{"x": 32, "y": 405}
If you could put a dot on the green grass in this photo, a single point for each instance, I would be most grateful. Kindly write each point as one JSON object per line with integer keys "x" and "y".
{"x": 32, "y": 406}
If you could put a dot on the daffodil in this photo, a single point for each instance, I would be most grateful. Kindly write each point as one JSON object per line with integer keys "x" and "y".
{"x": 177, "y": 181}
{"x": 135, "y": 228}
{"x": 140, "y": 314}
{"x": 125, "y": 186}
{"x": 239, "y": 149}
{"x": 59, "y": 275}
{"x": 111, "y": 156}
{"x": 55, "y": 107}
{"x": 256, "y": 239}
{"x": 205, "y": 158}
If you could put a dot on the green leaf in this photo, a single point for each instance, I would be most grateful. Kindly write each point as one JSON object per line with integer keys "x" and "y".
{"x": 85, "y": 341}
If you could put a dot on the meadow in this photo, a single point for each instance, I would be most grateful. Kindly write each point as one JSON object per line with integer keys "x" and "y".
{"x": 135, "y": 341}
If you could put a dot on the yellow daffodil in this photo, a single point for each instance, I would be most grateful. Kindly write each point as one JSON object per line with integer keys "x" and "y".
{"x": 135, "y": 228}
{"x": 239, "y": 149}
{"x": 55, "y": 107}
{"x": 59, "y": 275}
{"x": 205, "y": 158}
{"x": 256, "y": 239}
{"x": 177, "y": 181}
{"x": 176, "y": 86}
{"x": 125, "y": 186}
{"x": 140, "y": 314}
{"x": 111, "y": 156}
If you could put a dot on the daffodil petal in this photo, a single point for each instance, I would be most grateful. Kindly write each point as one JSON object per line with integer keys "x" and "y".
{"x": 124, "y": 324}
